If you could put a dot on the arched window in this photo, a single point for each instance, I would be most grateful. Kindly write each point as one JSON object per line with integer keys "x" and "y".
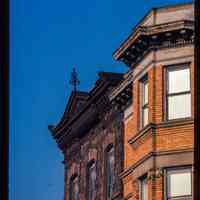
{"x": 91, "y": 181}
{"x": 109, "y": 171}
{"x": 74, "y": 188}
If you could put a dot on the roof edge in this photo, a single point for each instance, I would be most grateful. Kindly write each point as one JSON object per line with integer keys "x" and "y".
{"x": 148, "y": 14}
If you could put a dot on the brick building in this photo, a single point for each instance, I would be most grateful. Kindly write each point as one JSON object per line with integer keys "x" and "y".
{"x": 131, "y": 136}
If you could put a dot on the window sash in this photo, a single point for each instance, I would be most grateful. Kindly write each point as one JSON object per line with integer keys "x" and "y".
{"x": 145, "y": 117}
{"x": 74, "y": 189}
{"x": 177, "y": 193}
{"x": 177, "y": 92}
{"x": 144, "y": 189}
{"x": 175, "y": 107}
{"x": 189, "y": 197}
{"x": 91, "y": 182}
{"x": 110, "y": 172}
{"x": 145, "y": 102}
{"x": 145, "y": 94}
{"x": 175, "y": 82}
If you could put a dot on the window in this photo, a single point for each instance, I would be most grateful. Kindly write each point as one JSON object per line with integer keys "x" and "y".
{"x": 144, "y": 99}
{"x": 91, "y": 182}
{"x": 74, "y": 188}
{"x": 179, "y": 184}
{"x": 178, "y": 93}
{"x": 143, "y": 188}
{"x": 109, "y": 172}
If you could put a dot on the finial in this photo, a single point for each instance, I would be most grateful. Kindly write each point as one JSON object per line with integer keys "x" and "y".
{"x": 74, "y": 79}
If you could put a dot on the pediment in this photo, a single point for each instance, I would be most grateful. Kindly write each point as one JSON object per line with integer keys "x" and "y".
{"x": 83, "y": 108}
{"x": 76, "y": 101}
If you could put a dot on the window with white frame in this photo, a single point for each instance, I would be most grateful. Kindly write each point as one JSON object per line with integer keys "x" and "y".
{"x": 178, "y": 92}
{"x": 143, "y": 188}
{"x": 179, "y": 184}
{"x": 144, "y": 102}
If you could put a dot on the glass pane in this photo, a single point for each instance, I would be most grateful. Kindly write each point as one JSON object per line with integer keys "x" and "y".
{"x": 145, "y": 116}
{"x": 75, "y": 189}
{"x": 145, "y": 93}
{"x": 179, "y": 80}
{"x": 110, "y": 174}
{"x": 144, "y": 189}
{"x": 180, "y": 184}
{"x": 92, "y": 182}
{"x": 179, "y": 106}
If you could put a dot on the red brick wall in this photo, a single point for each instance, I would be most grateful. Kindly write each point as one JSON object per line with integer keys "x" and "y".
{"x": 160, "y": 138}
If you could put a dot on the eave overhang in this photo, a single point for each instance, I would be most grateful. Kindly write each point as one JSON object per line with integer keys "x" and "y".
{"x": 121, "y": 96}
{"x": 145, "y": 38}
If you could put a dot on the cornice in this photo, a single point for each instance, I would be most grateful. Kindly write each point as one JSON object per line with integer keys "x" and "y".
{"x": 92, "y": 101}
{"x": 122, "y": 85}
{"x": 150, "y": 155}
{"x": 121, "y": 96}
{"x": 151, "y": 126}
{"x": 79, "y": 128}
{"x": 128, "y": 196}
{"x": 67, "y": 124}
{"x": 106, "y": 81}
{"x": 117, "y": 196}
{"x": 127, "y": 171}
{"x": 157, "y": 36}
{"x": 141, "y": 133}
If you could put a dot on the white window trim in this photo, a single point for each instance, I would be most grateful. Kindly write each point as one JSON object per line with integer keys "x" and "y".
{"x": 166, "y": 184}
{"x": 173, "y": 68}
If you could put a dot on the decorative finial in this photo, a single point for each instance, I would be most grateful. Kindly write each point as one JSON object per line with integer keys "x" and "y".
{"x": 74, "y": 79}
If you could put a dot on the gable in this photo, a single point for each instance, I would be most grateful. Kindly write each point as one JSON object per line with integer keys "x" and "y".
{"x": 76, "y": 101}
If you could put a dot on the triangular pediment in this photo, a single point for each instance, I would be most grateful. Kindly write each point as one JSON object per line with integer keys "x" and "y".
{"x": 83, "y": 107}
{"x": 76, "y": 101}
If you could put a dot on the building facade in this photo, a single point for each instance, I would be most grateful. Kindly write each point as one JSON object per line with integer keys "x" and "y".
{"x": 131, "y": 137}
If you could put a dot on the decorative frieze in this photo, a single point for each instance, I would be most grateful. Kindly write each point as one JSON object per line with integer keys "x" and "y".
{"x": 166, "y": 35}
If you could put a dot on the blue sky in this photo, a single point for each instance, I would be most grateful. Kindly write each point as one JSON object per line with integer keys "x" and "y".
{"x": 49, "y": 38}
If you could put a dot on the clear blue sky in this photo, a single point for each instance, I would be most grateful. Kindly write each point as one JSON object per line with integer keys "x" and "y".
{"x": 48, "y": 38}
